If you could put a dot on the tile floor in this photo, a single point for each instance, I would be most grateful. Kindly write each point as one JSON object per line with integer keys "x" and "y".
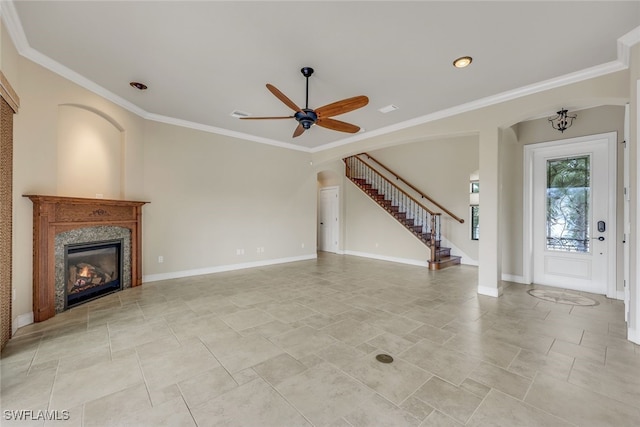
{"x": 295, "y": 345}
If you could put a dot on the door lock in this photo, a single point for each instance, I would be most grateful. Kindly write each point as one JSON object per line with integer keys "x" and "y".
{"x": 601, "y": 238}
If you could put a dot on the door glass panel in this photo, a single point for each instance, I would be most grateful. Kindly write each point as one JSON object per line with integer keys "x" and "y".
{"x": 568, "y": 199}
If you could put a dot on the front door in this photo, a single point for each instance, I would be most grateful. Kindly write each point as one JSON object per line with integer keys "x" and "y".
{"x": 573, "y": 202}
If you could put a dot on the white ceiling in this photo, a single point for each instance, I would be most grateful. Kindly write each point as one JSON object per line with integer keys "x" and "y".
{"x": 204, "y": 59}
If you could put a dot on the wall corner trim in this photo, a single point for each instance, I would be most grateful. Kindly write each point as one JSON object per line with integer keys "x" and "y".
{"x": 8, "y": 94}
{"x": 20, "y": 321}
{"x": 490, "y": 291}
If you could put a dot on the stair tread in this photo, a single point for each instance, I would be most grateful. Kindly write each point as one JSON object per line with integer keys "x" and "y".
{"x": 443, "y": 253}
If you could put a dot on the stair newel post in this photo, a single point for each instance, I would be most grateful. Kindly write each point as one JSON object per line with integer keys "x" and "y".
{"x": 433, "y": 238}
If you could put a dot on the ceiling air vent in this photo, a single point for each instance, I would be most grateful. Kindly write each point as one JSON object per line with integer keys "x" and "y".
{"x": 389, "y": 108}
{"x": 239, "y": 114}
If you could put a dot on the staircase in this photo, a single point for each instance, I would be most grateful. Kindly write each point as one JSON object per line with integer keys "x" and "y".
{"x": 422, "y": 222}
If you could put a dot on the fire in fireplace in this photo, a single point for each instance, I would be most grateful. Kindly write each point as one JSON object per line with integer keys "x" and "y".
{"x": 92, "y": 270}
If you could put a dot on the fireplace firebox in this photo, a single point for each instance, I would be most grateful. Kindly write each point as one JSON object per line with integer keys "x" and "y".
{"x": 92, "y": 270}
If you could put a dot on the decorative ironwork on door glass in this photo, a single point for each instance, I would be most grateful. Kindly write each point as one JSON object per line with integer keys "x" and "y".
{"x": 568, "y": 204}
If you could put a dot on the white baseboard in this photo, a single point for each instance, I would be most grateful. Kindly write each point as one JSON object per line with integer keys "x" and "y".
{"x": 620, "y": 295}
{"x": 490, "y": 291}
{"x": 223, "y": 268}
{"x": 20, "y": 321}
{"x": 633, "y": 335}
{"x": 514, "y": 278}
{"x": 417, "y": 262}
{"x": 388, "y": 258}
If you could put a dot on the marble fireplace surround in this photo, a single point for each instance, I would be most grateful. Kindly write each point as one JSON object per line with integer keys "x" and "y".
{"x": 58, "y": 221}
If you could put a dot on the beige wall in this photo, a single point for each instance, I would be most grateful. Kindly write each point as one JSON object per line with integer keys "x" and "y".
{"x": 371, "y": 231}
{"x": 511, "y": 232}
{"x": 212, "y": 195}
{"x": 36, "y": 155}
{"x": 89, "y": 154}
{"x": 8, "y": 57}
{"x": 439, "y": 168}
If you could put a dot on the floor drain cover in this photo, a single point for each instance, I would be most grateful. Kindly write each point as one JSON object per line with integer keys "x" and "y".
{"x": 384, "y": 358}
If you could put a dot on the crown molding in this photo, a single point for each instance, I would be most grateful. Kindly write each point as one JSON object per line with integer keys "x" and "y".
{"x": 221, "y": 131}
{"x": 578, "y": 76}
{"x": 14, "y": 26}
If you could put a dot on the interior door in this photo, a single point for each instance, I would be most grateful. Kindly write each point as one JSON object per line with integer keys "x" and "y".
{"x": 574, "y": 234}
{"x": 328, "y": 220}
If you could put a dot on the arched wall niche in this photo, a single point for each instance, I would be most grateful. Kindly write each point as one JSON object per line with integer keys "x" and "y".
{"x": 90, "y": 153}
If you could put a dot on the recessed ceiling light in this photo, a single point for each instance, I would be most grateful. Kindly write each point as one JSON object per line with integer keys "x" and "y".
{"x": 239, "y": 114}
{"x": 138, "y": 85}
{"x": 462, "y": 61}
{"x": 389, "y": 108}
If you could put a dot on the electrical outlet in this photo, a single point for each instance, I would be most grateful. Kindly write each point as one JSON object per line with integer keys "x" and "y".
{"x": 239, "y": 251}
{"x": 99, "y": 196}
{"x": 302, "y": 246}
{"x": 160, "y": 259}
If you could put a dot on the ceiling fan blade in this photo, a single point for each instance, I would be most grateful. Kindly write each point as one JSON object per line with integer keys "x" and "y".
{"x": 341, "y": 107}
{"x": 334, "y": 124}
{"x": 266, "y": 118}
{"x": 282, "y": 97}
{"x": 299, "y": 131}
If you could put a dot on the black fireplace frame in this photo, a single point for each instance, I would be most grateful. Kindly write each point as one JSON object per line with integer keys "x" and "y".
{"x": 103, "y": 289}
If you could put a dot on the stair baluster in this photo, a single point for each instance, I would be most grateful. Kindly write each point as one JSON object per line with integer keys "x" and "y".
{"x": 417, "y": 218}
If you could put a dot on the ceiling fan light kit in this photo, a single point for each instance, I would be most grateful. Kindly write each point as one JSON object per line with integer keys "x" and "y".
{"x": 307, "y": 117}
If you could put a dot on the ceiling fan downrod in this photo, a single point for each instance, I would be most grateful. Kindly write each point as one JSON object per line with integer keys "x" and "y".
{"x": 309, "y": 117}
{"x": 307, "y": 72}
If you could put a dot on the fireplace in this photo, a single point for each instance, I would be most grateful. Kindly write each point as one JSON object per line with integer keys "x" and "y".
{"x": 69, "y": 228}
{"x": 91, "y": 270}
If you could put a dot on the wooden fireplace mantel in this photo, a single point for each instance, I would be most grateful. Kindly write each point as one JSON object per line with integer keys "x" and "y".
{"x": 53, "y": 215}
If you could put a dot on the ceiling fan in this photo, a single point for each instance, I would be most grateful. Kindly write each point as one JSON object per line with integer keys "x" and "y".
{"x": 307, "y": 117}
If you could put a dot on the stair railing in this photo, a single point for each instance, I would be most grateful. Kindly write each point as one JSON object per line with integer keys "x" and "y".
{"x": 418, "y": 217}
{"x": 424, "y": 196}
